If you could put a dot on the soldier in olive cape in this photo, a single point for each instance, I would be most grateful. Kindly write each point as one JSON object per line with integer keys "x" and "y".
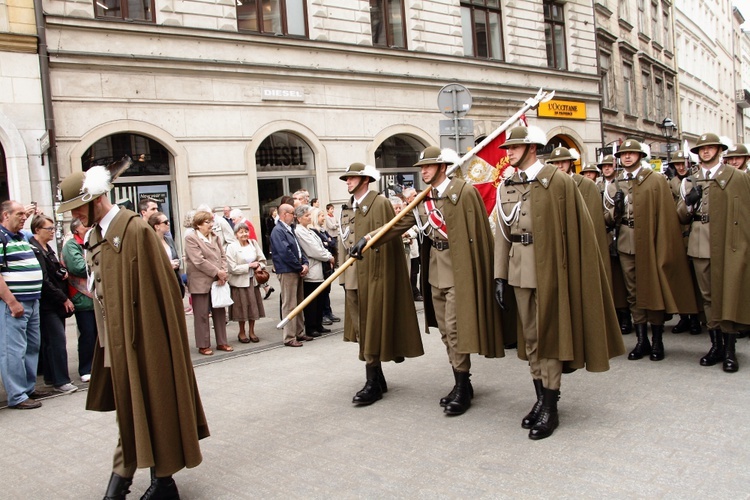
{"x": 716, "y": 202}
{"x": 652, "y": 255}
{"x": 380, "y": 312}
{"x": 141, "y": 368}
{"x": 456, "y": 262}
{"x": 546, "y": 249}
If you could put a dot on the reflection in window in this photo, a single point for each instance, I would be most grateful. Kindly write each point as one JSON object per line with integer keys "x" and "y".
{"x": 278, "y": 17}
{"x": 131, "y": 10}
{"x": 284, "y": 151}
{"x": 388, "y": 27}
{"x": 149, "y": 156}
{"x": 554, "y": 35}
{"x": 481, "y": 23}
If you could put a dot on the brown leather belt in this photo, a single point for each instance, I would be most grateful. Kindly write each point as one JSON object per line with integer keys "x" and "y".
{"x": 523, "y": 238}
{"x": 628, "y": 222}
{"x": 700, "y": 218}
{"x": 440, "y": 245}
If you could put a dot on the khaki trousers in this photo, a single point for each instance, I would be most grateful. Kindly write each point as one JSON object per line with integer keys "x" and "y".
{"x": 351, "y": 316}
{"x": 640, "y": 316}
{"x": 119, "y": 467}
{"x": 292, "y": 293}
{"x": 703, "y": 276}
{"x": 444, "y": 302}
{"x": 548, "y": 370}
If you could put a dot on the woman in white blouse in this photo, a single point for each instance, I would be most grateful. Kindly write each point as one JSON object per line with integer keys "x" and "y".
{"x": 243, "y": 257}
{"x": 316, "y": 255}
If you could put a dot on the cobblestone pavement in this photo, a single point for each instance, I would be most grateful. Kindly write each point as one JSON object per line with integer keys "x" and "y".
{"x": 283, "y": 426}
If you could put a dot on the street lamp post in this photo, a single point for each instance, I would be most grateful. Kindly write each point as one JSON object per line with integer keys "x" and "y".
{"x": 668, "y": 128}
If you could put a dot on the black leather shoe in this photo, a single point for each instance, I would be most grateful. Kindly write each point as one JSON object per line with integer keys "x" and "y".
{"x": 312, "y": 333}
{"x": 642, "y": 346}
{"x": 326, "y": 321}
{"x": 716, "y": 353}
{"x": 322, "y": 329}
{"x": 683, "y": 325}
{"x": 695, "y": 325}
{"x": 626, "y": 322}
{"x": 548, "y": 418}
{"x": 372, "y": 391}
{"x": 334, "y": 318}
{"x": 657, "y": 349}
{"x": 268, "y": 293}
{"x": 162, "y": 488}
{"x": 730, "y": 359}
{"x": 533, "y": 416}
{"x": 118, "y": 487}
{"x": 452, "y": 395}
{"x": 462, "y": 398}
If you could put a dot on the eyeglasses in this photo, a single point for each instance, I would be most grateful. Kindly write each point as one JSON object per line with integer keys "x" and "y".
{"x": 48, "y": 228}
{"x": 164, "y": 222}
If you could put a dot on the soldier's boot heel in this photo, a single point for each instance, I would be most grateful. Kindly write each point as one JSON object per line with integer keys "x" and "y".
{"x": 683, "y": 325}
{"x": 464, "y": 392}
{"x": 371, "y": 392}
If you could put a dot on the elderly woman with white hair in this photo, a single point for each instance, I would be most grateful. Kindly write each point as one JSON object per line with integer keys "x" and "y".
{"x": 317, "y": 255}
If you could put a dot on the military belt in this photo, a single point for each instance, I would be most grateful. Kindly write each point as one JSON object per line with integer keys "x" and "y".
{"x": 703, "y": 218}
{"x": 523, "y": 238}
{"x": 440, "y": 245}
{"x": 628, "y": 222}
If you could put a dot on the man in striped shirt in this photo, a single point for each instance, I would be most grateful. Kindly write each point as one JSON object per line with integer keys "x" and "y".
{"x": 20, "y": 290}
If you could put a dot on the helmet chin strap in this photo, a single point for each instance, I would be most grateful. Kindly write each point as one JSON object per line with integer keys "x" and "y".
{"x": 713, "y": 158}
{"x": 91, "y": 214}
{"x": 523, "y": 156}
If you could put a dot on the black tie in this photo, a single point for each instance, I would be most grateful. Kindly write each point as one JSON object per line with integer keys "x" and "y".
{"x": 524, "y": 177}
{"x": 434, "y": 193}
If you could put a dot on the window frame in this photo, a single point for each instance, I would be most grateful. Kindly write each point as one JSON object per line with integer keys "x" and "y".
{"x": 472, "y": 7}
{"x": 647, "y": 86}
{"x": 389, "y": 29}
{"x": 629, "y": 86}
{"x": 283, "y": 11}
{"x": 99, "y": 6}
{"x": 609, "y": 86}
{"x": 550, "y": 22}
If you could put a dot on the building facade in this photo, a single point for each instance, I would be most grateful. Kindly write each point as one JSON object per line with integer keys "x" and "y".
{"x": 238, "y": 102}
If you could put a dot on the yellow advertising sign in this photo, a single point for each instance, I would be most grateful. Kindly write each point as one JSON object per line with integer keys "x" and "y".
{"x": 569, "y": 110}
{"x": 656, "y": 164}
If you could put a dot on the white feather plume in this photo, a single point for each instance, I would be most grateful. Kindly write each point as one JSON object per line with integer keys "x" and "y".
{"x": 574, "y": 154}
{"x": 96, "y": 181}
{"x": 726, "y": 141}
{"x": 449, "y": 156}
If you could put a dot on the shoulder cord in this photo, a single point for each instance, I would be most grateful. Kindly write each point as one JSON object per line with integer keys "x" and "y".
{"x": 508, "y": 219}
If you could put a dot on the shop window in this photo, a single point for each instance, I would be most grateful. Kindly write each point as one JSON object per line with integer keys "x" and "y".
{"x": 388, "y": 26}
{"x": 275, "y": 17}
{"x": 554, "y": 35}
{"x": 482, "y": 27}
{"x": 125, "y": 10}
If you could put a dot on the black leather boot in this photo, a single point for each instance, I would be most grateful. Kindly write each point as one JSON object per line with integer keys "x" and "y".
{"x": 730, "y": 358}
{"x": 531, "y": 418}
{"x": 162, "y": 488}
{"x": 642, "y": 346}
{"x": 626, "y": 323}
{"x": 381, "y": 380}
{"x": 548, "y": 418}
{"x": 371, "y": 392}
{"x": 695, "y": 324}
{"x": 118, "y": 487}
{"x": 716, "y": 353}
{"x": 657, "y": 349}
{"x": 451, "y": 395}
{"x": 683, "y": 325}
{"x": 462, "y": 399}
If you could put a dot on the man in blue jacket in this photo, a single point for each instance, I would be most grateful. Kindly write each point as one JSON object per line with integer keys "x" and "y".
{"x": 290, "y": 263}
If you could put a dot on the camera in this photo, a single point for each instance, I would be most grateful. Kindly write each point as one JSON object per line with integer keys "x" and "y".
{"x": 61, "y": 272}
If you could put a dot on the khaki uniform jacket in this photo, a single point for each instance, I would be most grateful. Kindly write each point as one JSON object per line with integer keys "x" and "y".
{"x": 388, "y": 320}
{"x": 467, "y": 265}
{"x": 576, "y": 319}
{"x": 729, "y": 233}
{"x": 149, "y": 381}
{"x": 662, "y": 272}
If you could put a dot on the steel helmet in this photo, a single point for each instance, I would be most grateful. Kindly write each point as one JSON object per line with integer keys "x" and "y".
{"x": 361, "y": 170}
{"x": 738, "y": 150}
{"x": 630, "y": 146}
{"x": 562, "y": 153}
{"x": 525, "y": 135}
{"x": 607, "y": 160}
{"x": 708, "y": 140}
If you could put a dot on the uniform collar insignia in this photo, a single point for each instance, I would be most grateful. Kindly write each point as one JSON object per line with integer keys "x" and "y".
{"x": 640, "y": 178}
{"x": 544, "y": 181}
{"x": 116, "y": 242}
{"x": 722, "y": 183}
{"x": 364, "y": 209}
{"x": 454, "y": 197}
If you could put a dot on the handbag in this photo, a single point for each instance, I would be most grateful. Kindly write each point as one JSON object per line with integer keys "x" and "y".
{"x": 261, "y": 276}
{"x": 220, "y": 295}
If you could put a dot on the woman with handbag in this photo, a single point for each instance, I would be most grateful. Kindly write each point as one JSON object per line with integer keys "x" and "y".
{"x": 54, "y": 306}
{"x": 318, "y": 256}
{"x": 206, "y": 269}
{"x": 160, "y": 223}
{"x": 247, "y": 270}
{"x": 318, "y": 221}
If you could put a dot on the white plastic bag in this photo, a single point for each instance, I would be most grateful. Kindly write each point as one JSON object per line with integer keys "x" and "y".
{"x": 220, "y": 296}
